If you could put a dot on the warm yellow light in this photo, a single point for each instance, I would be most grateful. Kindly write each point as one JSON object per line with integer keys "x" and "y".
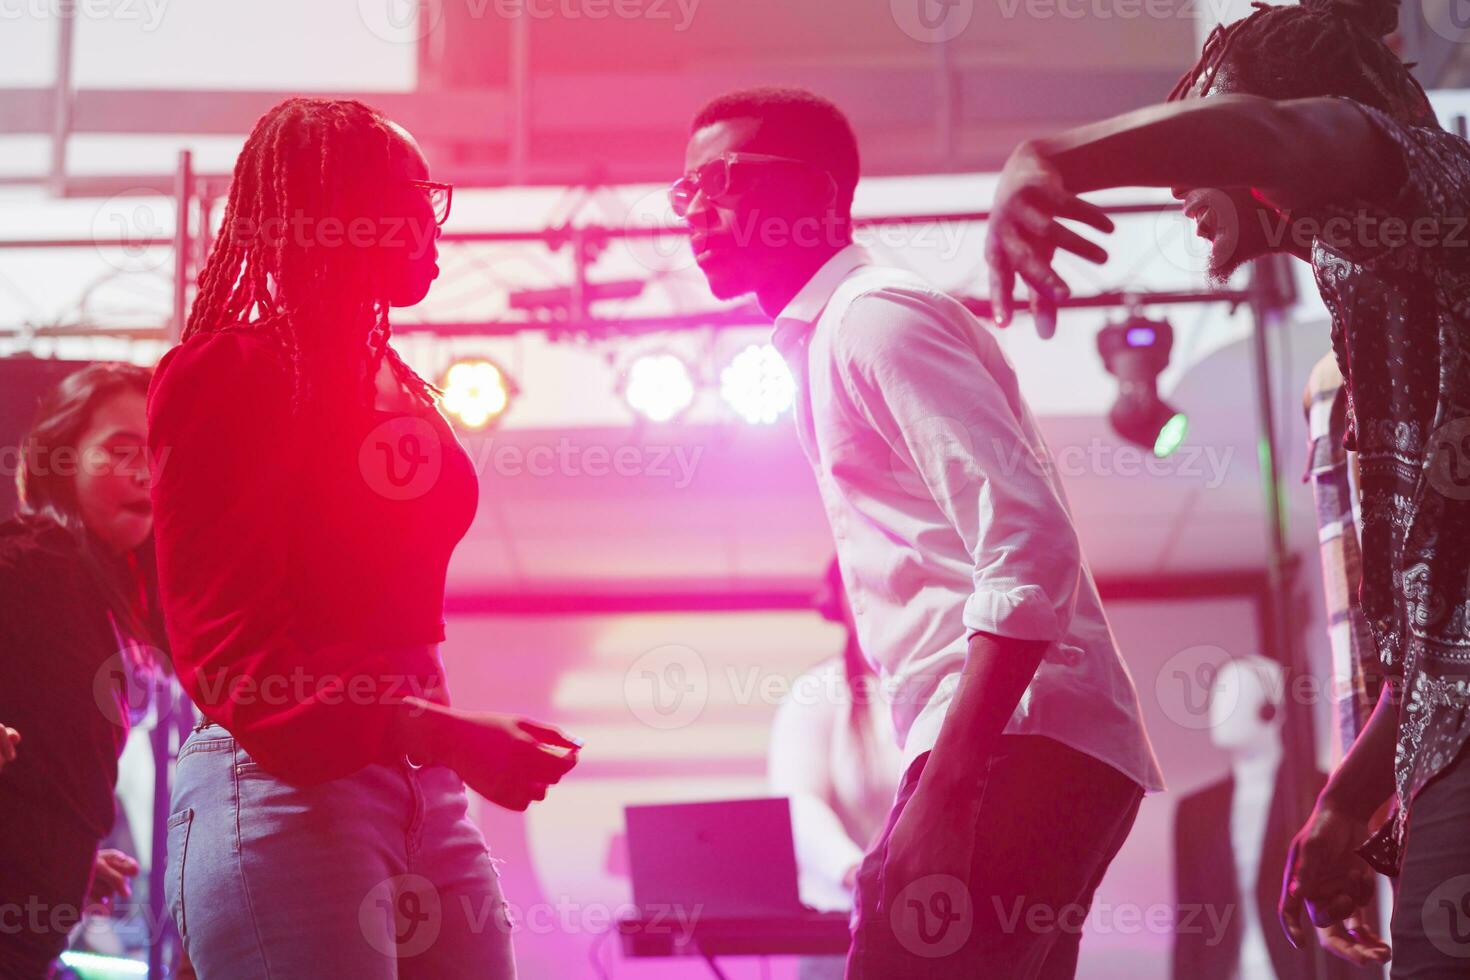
{"x": 476, "y": 392}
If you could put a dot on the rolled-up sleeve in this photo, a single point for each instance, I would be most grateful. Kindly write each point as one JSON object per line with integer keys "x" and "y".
{"x": 219, "y": 438}
{"x": 947, "y": 406}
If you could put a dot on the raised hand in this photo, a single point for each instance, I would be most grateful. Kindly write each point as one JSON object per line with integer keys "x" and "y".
{"x": 1024, "y": 234}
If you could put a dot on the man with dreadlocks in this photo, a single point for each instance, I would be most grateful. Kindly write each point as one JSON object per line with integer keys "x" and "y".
{"x": 307, "y": 499}
{"x": 1300, "y": 131}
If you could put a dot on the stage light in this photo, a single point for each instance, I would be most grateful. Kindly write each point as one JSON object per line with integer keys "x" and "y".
{"x": 1134, "y": 352}
{"x": 477, "y": 392}
{"x": 658, "y": 386}
{"x": 757, "y": 384}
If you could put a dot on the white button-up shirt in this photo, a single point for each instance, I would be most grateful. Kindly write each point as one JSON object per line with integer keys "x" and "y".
{"x": 947, "y": 511}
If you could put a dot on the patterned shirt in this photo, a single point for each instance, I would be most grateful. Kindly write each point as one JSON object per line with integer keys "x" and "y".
{"x": 1395, "y": 275}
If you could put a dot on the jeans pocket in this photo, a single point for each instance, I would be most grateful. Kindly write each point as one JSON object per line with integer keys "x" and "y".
{"x": 173, "y": 883}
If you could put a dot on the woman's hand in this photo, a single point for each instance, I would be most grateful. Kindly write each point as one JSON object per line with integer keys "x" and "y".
{"x": 1023, "y": 234}
{"x": 508, "y": 760}
{"x": 110, "y": 873}
{"x": 9, "y": 739}
{"x": 1326, "y": 878}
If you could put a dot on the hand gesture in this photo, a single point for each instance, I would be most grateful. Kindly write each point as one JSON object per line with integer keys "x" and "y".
{"x": 1024, "y": 234}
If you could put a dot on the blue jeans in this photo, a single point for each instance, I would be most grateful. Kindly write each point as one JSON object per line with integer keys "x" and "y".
{"x": 377, "y": 875}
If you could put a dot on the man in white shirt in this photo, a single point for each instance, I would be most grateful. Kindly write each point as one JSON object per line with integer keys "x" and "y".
{"x": 1025, "y": 755}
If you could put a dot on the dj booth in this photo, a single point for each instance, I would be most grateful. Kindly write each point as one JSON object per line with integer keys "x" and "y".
{"x": 720, "y": 879}
{"x": 804, "y": 934}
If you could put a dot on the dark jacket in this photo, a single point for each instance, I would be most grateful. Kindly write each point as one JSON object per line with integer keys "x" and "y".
{"x": 1208, "y": 948}
{"x": 60, "y": 688}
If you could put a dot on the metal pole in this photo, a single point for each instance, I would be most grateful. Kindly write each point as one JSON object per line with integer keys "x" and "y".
{"x": 66, "y": 32}
{"x": 183, "y": 200}
{"x": 520, "y": 96}
{"x": 161, "y": 738}
{"x": 1299, "y": 742}
{"x": 946, "y": 103}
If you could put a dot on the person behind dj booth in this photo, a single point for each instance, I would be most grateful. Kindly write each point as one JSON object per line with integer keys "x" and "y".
{"x": 834, "y": 753}
{"x": 80, "y": 634}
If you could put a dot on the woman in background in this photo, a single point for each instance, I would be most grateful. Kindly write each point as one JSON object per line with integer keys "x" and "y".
{"x": 834, "y": 753}
{"x": 78, "y": 630}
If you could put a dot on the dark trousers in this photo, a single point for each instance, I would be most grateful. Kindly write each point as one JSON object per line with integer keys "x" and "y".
{"x": 44, "y": 876}
{"x": 1431, "y": 914}
{"x": 1051, "y": 819}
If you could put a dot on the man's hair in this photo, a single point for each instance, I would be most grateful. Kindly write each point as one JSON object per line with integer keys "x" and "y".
{"x": 1315, "y": 48}
{"x": 794, "y": 123}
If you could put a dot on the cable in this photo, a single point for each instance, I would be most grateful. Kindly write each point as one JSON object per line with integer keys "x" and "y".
{"x": 594, "y": 957}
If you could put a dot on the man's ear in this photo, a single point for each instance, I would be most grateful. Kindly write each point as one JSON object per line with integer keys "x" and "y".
{"x": 828, "y": 188}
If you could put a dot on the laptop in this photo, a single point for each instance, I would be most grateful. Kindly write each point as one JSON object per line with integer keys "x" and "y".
{"x": 732, "y": 858}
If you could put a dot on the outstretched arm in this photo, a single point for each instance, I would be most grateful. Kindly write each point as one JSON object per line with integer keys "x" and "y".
{"x": 1298, "y": 152}
{"x": 1295, "y": 154}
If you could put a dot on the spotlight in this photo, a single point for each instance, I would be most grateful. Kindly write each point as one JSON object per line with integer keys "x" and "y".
{"x": 477, "y": 392}
{"x": 1134, "y": 352}
{"x": 658, "y": 386}
{"x": 757, "y": 384}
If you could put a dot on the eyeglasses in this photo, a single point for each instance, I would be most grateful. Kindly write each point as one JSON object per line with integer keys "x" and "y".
{"x": 440, "y": 196}
{"x": 718, "y": 178}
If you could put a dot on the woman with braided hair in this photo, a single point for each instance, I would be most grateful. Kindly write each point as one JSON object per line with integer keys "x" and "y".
{"x": 1299, "y": 131}
{"x": 308, "y": 494}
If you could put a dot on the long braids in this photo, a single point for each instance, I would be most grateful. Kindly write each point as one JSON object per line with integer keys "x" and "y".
{"x": 1315, "y": 48}
{"x": 307, "y": 161}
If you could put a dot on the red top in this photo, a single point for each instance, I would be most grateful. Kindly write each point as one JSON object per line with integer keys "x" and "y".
{"x": 301, "y": 590}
